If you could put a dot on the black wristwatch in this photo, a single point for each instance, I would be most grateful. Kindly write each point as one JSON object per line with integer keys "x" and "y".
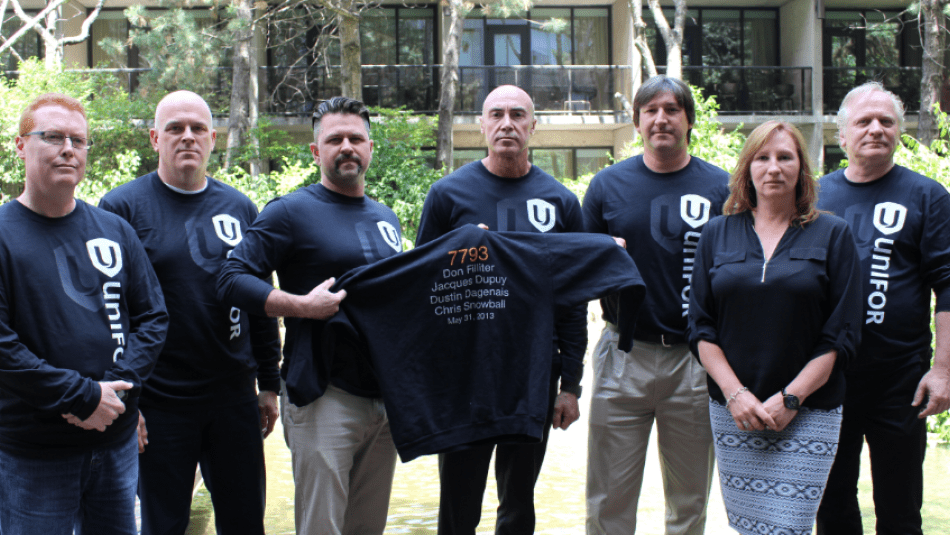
{"x": 792, "y": 402}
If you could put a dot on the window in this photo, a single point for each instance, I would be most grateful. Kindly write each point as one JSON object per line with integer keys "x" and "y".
{"x": 865, "y": 45}
{"x": 27, "y": 46}
{"x": 109, "y": 24}
{"x": 721, "y": 37}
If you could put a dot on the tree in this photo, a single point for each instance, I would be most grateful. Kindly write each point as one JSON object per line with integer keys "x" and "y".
{"x": 243, "y": 77}
{"x": 48, "y": 24}
{"x": 933, "y": 19}
{"x": 672, "y": 37}
{"x": 458, "y": 10}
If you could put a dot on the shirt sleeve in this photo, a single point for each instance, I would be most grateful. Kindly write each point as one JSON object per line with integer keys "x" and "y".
{"x": 431, "y": 223}
{"x": 244, "y": 278}
{"x": 33, "y": 380}
{"x": 571, "y": 323}
{"x": 702, "y": 317}
{"x": 842, "y": 329}
{"x": 935, "y": 248}
{"x": 593, "y": 208}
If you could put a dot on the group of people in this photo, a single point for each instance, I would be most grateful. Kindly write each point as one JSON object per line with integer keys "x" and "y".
{"x": 139, "y": 341}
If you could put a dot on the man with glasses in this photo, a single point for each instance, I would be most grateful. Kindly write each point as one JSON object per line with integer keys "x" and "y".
{"x": 200, "y": 406}
{"x": 82, "y": 321}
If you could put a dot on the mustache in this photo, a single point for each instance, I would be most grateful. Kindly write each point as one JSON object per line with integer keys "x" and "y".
{"x": 347, "y": 157}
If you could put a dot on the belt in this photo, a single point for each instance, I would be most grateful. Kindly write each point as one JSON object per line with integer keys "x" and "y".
{"x": 666, "y": 340}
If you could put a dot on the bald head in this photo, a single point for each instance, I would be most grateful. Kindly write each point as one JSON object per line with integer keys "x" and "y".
{"x": 173, "y": 99}
{"x": 184, "y": 137}
{"x": 508, "y": 93}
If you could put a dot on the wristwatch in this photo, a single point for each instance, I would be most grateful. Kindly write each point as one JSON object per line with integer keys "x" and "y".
{"x": 792, "y": 402}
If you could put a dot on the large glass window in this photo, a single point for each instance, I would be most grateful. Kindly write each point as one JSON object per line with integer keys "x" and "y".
{"x": 109, "y": 24}
{"x": 398, "y": 36}
{"x": 27, "y": 46}
{"x": 864, "y": 45}
{"x": 721, "y": 37}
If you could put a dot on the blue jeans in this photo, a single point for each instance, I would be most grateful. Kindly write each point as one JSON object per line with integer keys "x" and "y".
{"x": 92, "y": 492}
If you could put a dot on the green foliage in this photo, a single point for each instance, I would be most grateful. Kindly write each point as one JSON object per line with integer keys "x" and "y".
{"x": 929, "y": 161}
{"x": 121, "y": 150}
{"x": 401, "y": 172}
{"x": 182, "y": 49}
{"x": 709, "y": 140}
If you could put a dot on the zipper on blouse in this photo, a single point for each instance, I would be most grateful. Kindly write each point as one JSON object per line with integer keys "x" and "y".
{"x": 765, "y": 264}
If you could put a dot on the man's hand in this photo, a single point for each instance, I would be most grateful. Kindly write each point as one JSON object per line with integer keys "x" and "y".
{"x": 142, "y": 433}
{"x": 110, "y": 407}
{"x": 321, "y": 303}
{"x": 267, "y": 403}
{"x": 620, "y": 241}
{"x": 935, "y": 388}
{"x": 566, "y": 411}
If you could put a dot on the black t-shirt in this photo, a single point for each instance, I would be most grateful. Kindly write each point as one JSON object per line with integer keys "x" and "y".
{"x": 535, "y": 202}
{"x": 307, "y": 237}
{"x": 661, "y": 216}
{"x": 901, "y": 224}
{"x": 459, "y": 329}
{"x": 79, "y": 303}
{"x": 772, "y": 318}
{"x": 213, "y": 351}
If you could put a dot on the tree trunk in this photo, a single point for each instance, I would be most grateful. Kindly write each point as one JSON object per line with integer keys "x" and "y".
{"x": 450, "y": 84}
{"x": 238, "y": 123}
{"x": 52, "y": 49}
{"x": 641, "y": 46}
{"x": 672, "y": 37}
{"x": 253, "y": 111}
{"x": 350, "y": 61}
{"x": 932, "y": 73}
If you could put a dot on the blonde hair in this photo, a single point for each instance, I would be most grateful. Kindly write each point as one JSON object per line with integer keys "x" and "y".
{"x": 742, "y": 196}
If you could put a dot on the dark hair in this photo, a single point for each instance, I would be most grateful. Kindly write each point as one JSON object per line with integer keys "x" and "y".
{"x": 741, "y": 191}
{"x": 664, "y": 84}
{"x": 342, "y": 105}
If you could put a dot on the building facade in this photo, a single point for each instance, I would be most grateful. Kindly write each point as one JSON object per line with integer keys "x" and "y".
{"x": 763, "y": 59}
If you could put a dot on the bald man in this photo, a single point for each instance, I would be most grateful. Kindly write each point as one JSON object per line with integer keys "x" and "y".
{"x": 200, "y": 406}
{"x": 505, "y": 192}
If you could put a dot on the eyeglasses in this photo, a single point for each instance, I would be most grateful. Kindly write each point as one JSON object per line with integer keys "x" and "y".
{"x": 59, "y": 138}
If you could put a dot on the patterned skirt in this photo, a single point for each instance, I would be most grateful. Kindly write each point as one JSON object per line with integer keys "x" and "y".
{"x": 772, "y": 482}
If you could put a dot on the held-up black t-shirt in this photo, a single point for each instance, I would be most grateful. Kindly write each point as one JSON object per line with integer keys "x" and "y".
{"x": 661, "y": 216}
{"x": 213, "y": 352}
{"x": 901, "y": 224}
{"x": 459, "y": 330}
{"x": 535, "y": 202}
{"x": 307, "y": 237}
{"x": 772, "y": 318}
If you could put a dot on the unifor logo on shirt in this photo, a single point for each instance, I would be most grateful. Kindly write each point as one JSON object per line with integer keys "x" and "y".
{"x": 211, "y": 241}
{"x": 541, "y": 214}
{"x": 390, "y": 235}
{"x": 227, "y": 228}
{"x": 105, "y": 255}
{"x": 889, "y": 217}
{"x": 694, "y": 209}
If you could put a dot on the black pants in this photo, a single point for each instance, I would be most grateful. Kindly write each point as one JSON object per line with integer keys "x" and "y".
{"x": 463, "y": 475}
{"x": 226, "y": 442}
{"x": 878, "y": 409}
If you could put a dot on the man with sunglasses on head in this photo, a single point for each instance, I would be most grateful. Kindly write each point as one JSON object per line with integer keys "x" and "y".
{"x": 82, "y": 321}
{"x": 200, "y": 407}
{"x": 335, "y": 425}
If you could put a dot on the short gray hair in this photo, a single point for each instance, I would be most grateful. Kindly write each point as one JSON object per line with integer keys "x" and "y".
{"x": 858, "y": 92}
{"x": 341, "y": 105}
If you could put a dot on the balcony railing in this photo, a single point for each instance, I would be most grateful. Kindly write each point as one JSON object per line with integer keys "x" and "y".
{"x": 754, "y": 90}
{"x": 584, "y": 89}
{"x": 902, "y": 81}
{"x": 554, "y": 88}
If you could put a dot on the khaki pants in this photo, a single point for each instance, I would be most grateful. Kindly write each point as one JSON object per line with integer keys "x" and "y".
{"x": 631, "y": 391}
{"x": 343, "y": 461}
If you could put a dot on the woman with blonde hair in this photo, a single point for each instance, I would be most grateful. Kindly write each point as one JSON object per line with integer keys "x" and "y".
{"x": 775, "y": 316}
